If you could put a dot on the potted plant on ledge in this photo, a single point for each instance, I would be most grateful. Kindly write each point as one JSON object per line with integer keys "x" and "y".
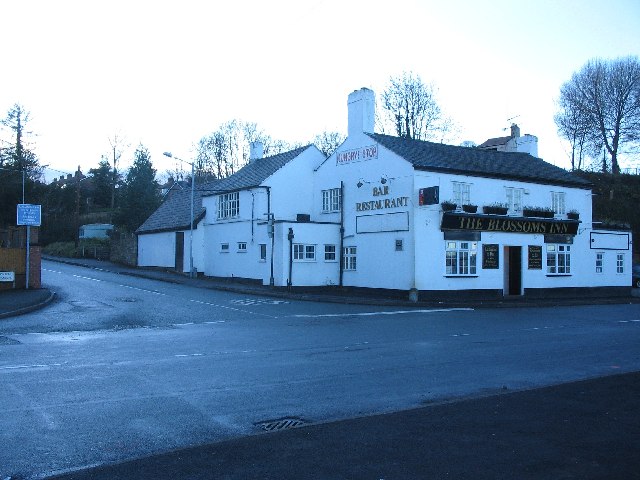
{"x": 573, "y": 215}
{"x": 448, "y": 206}
{"x": 541, "y": 212}
{"x": 495, "y": 209}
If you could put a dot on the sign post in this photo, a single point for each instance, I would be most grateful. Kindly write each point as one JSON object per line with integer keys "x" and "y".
{"x": 28, "y": 215}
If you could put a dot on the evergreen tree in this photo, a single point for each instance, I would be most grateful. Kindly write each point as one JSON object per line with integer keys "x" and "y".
{"x": 101, "y": 179}
{"x": 140, "y": 195}
{"x": 18, "y": 166}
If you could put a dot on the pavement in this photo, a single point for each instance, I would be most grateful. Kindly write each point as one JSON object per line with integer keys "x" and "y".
{"x": 581, "y": 430}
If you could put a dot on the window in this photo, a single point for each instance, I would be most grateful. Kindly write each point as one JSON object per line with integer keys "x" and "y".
{"x": 599, "y": 262}
{"x": 349, "y": 258}
{"x": 559, "y": 259}
{"x": 242, "y": 246}
{"x": 263, "y": 252}
{"x": 558, "y": 203}
{"x": 620, "y": 263}
{"x": 514, "y": 199}
{"x": 224, "y": 247}
{"x": 228, "y": 205}
{"x": 304, "y": 253}
{"x": 461, "y": 193}
{"x": 329, "y": 253}
{"x": 399, "y": 246}
{"x": 461, "y": 258}
{"x": 331, "y": 200}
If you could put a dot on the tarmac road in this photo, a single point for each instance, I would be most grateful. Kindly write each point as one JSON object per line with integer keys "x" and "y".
{"x": 581, "y": 430}
{"x": 587, "y": 429}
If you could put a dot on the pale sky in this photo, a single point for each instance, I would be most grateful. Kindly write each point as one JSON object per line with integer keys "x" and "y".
{"x": 166, "y": 73}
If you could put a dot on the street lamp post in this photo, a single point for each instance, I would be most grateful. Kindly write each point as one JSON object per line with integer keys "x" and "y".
{"x": 193, "y": 184}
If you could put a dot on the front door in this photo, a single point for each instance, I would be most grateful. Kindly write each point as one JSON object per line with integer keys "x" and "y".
{"x": 513, "y": 271}
{"x": 179, "y": 251}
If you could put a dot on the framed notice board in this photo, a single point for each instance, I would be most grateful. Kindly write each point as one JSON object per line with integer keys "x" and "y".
{"x": 490, "y": 256}
{"x": 535, "y": 257}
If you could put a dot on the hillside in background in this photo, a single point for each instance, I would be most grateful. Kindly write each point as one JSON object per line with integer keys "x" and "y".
{"x": 617, "y": 201}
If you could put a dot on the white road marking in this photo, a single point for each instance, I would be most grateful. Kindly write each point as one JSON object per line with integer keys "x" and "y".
{"x": 217, "y": 305}
{"x": 37, "y": 365}
{"x": 371, "y": 314}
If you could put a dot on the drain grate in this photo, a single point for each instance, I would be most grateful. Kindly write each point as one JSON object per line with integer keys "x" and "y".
{"x": 280, "y": 424}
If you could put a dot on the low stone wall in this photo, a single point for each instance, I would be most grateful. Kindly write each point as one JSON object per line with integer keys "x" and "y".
{"x": 124, "y": 249}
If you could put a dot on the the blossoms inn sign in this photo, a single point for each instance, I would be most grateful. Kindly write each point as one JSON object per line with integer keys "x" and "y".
{"x": 454, "y": 221}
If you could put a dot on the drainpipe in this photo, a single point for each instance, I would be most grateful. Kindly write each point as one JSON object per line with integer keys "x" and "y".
{"x": 270, "y": 230}
{"x": 290, "y": 237}
{"x": 341, "y": 233}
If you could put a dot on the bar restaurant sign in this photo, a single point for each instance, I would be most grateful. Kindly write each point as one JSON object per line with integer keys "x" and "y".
{"x": 487, "y": 223}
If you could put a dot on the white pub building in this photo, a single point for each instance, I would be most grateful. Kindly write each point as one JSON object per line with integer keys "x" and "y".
{"x": 385, "y": 213}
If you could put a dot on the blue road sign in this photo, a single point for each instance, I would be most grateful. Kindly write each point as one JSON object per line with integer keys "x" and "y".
{"x": 29, "y": 214}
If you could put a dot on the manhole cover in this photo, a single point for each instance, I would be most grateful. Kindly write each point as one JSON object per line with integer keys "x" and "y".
{"x": 280, "y": 424}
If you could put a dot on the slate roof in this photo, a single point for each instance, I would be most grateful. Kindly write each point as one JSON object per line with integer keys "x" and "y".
{"x": 174, "y": 213}
{"x": 256, "y": 172}
{"x": 477, "y": 162}
{"x": 495, "y": 142}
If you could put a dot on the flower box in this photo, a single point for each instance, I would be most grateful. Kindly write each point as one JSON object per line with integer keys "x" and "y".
{"x": 448, "y": 206}
{"x": 573, "y": 215}
{"x": 494, "y": 210}
{"x": 470, "y": 208}
{"x": 538, "y": 212}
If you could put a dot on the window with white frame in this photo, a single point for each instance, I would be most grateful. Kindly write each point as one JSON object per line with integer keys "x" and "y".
{"x": 329, "y": 253}
{"x": 331, "y": 200}
{"x": 304, "y": 252}
{"x": 620, "y": 263}
{"x": 461, "y": 193}
{"x": 242, "y": 247}
{"x": 599, "y": 262}
{"x": 263, "y": 252}
{"x": 558, "y": 203}
{"x": 228, "y": 205}
{"x": 349, "y": 258}
{"x": 461, "y": 258}
{"x": 514, "y": 199}
{"x": 558, "y": 259}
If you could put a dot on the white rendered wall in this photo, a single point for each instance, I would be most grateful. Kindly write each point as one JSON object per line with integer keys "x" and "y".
{"x": 379, "y": 264}
{"x": 290, "y": 194}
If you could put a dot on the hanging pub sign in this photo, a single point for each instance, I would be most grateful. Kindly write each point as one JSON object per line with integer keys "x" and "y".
{"x": 490, "y": 256}
{"x": 489, "y": 223}
{"x": 535, "y": 257}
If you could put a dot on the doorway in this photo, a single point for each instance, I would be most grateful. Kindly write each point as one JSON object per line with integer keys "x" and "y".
{"x": 513, "y": 271}
{"x": 179, "y": 252}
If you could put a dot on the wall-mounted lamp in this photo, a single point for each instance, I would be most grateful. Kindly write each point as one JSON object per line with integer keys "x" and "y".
{"x": 383, "y": 180}
{"x": 359, "y": 184}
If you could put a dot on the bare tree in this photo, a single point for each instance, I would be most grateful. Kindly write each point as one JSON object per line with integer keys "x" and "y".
{"x": 601, "y": 106}
{"x": 573, "y": 127}
{"x": 225, "y": 151}
{"x": 328, "y": 142}
{"x": 411, "y": 107}
{"x": 117, "y": 144}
